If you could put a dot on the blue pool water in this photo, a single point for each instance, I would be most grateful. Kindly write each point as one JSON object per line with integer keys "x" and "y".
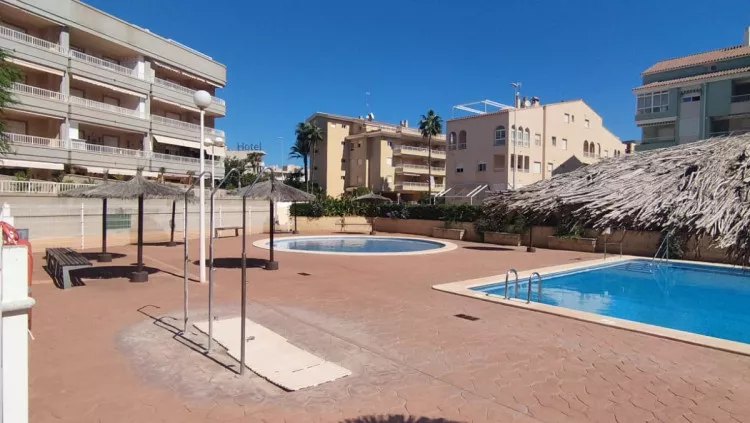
{"x": 703, "y": 299}
{"x": 358, "y": 244}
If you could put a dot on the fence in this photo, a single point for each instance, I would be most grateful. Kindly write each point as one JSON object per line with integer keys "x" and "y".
{"x": 77, "y": 223}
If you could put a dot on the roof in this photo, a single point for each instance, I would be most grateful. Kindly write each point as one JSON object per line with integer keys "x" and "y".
{"x": 680, "y": 81}
{"x": 696, "y": 59}
{"x": 383, "y": 126}
{"x": 499, "y": 112}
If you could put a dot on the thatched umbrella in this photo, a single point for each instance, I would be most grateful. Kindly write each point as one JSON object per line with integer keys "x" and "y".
{"x": 104, "y": 256}
{"x": 700, "y": 189}
{"x": 373, "y": 199}
{"x": 141, "y": 188}
{"x": 273, "y": 191}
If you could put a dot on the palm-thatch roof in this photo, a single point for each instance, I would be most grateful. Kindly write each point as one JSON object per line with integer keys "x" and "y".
{"x": 274, "y": 190}
{"x": 701, "y": 189}
{"x": 133, "y": 188}
{"x": 373, "y": 198}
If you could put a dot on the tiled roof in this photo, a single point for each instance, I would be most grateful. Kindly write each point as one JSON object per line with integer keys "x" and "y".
{"x": 701, "y": 77}
{"x": 699, "y": 59}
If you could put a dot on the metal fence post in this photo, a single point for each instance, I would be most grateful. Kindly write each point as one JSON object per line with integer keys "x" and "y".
{"x": 221, "y": 217}
{"x": 82, "y": 226}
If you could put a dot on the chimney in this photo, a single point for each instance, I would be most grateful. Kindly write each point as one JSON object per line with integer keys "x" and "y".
{"x": 406, "y": 123}
{"x": 517, "y": 103}
{"x": 747, "y": 37}
{"x": 523, "y": 102}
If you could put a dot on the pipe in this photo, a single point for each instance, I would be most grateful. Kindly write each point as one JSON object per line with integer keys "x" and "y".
{"x": 187, "y": 257}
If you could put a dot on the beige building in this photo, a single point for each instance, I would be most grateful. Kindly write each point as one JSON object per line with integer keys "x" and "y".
{"x": 389, "y": 159}
{"x": 100, "y": 93}
{"x": 531, "y": 141}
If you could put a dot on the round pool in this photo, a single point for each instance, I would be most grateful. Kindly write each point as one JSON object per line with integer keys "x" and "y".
{"x": 356, "y": 245}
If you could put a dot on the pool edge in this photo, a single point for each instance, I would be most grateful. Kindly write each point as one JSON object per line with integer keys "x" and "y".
{"x": 463, "y": 288}
{"x": 447, "y": 246}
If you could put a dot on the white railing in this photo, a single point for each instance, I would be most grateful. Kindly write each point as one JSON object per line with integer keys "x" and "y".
{"x": 101, "y": 63}
{"x": 728, "y": 133}
{"x": 417, "y": 149}
{"x": 19, "y": 36}
{"x": 740, "y": 98}
{"x": 35, "y": 141}
{"x": 403, "y": 129}
{"x": 424, "y": 185}
{"x": 140, "y": 154}
{"x": 185, "y": 90}
{"x": 38, "y": 92}
{"x": 419, "y": 167}
{"x": 38, "y": 187}
{"x": 91, "y": 104}
{"x": 185, "y": 125}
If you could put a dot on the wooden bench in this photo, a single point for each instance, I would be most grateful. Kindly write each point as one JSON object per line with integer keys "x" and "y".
{"x": 60, "y": 261}
{"x": 343, "y": 224}
{"x": 227, "y": 228}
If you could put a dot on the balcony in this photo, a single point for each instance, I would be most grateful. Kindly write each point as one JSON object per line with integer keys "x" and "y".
{"x": 403, "y": 130}
{"x": 35, "y": 100}
{"x": 86, "y": 110}
{"x": 81, "y": 153}
{"x": 407, "y": 150}
{"x": 740, "y": 104}
{"x": 651, "y": 143}
{"x": 418, "y": 186}
{"x": 180, "y": 129}
{"x": 419, "y": 169}
{"x": 184, "y": 95}
{"x": 107, "y": 72}
{"x": 31, "y": 48}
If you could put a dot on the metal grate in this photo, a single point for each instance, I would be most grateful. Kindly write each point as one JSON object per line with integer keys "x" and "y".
{"x": 466, "y": 317}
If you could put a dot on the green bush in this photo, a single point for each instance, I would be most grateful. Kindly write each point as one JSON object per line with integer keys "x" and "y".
{"x": 329, "y": 206}
{"x": 446, "y": 212}
{"x": 496, "y": 220}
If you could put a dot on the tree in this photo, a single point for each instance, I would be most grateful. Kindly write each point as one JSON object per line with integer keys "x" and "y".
{"x": 233, "y": 181}
{"x": 430, "y": 125}
{"x": 9, "y": 74}
{"x": 314, "y": 136}
{"x": 254, "y": 159}
{"x": 301, "y": 147}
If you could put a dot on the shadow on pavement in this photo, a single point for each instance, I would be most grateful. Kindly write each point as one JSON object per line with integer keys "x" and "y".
{"x": 235, "y": 262}
{"x": 397, "y": 419}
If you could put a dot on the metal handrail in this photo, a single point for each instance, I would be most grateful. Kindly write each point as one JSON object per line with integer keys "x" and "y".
{"x": 612, "y": 243}
{"x": 539, "y": 294}
{"x": 506, "y": 282}
{"x": 664, "y": 243}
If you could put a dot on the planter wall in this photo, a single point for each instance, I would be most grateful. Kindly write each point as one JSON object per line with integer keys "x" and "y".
{"x": 445, "y": 233}
{"x": 572, "y": 244}
{"x": 329, "y": 224}
{"x": 423, "y": 227}
{"x": 502, "y": 238}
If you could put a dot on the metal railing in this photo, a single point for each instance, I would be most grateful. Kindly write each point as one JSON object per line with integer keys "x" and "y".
{"x": 101, "y": 63}
{"x": 185, "y": 125}
{"x": 19, "y": 36}
{"x": 91, "y": 104}
{"x": 740, "y": 98}
{"x": 38, "y": 92}
{"x": 419, "y": 167}
{"x": 507, "y": 278}
{"x": 185, "y": 90}
{"x": 35, "y": 141}
{"x": 658, "y": 139}
{"x": 39, "y": 187}
{"x": 729, "y": 133}
{"x": 418, "y": 149}
{"x": 539, "y": 284}
{"x": 403, "y": 129}
{"x": 462, "y": 146}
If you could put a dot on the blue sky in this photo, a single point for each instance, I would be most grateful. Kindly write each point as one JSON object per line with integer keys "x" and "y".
{"x": 288, "y": 59}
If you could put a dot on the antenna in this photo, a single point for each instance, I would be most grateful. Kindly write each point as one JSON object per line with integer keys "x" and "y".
{"x": 367, "y": 102}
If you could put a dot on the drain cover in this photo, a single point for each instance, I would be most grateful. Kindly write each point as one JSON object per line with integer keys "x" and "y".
{"x": 466, "y": 317}
{"x": 303, "y": 274}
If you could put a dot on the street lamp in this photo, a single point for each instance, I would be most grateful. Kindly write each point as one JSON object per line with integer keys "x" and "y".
{"x": 516, "y": 88}
{"x": 202, "y": 100}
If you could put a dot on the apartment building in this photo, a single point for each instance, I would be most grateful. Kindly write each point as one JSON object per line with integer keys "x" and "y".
{"x": 100, "y": 93}
{"x": 694, "y": 97}
{"x": 530, "y": 141}
{"x": 393, "y": 160}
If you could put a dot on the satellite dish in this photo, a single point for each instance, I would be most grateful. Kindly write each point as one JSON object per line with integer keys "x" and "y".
{"x": 370, "y": 116}
{"x": 527, "y": 103}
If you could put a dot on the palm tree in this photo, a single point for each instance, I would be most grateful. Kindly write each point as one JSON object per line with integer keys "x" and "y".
{"x": 430, "y": 125}
{"x": 301, "y": 147}
{"x": 9, "y": 74}
{"x": 254, "y": 159}
{"x": 314, "y": 136}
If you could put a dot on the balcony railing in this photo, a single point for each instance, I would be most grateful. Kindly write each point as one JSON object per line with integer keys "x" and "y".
{"x": 740, "y": 98}
{"x": 658, "y": 139}
{"x": 91, "y": 104}
{"x": 39, "y": 187}
{"x": 420, "y": 185}
{"x": 728, "y": 133}
{"x": 38, "y": 92}
{"x": 462, "y": 146}
{"x": 417, "y": 149}
{"x": 419, "y": 167}
{"x": 20, "y": 37}
{"x": 185, "y": 90}
{"x": 403, "y": 129}
{"x": 185, "y": 125}
{"x": 23, "y": 139}
{"x": 101, "y": 63}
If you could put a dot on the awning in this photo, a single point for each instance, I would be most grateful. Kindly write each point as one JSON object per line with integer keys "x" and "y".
{"x": 219, "y": 151}
{"x": 187, "y": 74}
{"x": 108, "y": 86}
{"x": 176, "y": 141}
{"x": 181, "y": 106}
{"x": 32, "y": 165}
{"x": 34, "y": 66}
{"x": 26, "y": 112}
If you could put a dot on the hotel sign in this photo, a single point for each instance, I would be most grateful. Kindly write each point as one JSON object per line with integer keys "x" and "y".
{"x": 249, "y": 147}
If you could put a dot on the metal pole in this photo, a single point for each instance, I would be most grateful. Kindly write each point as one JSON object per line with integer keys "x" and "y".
{"x": 139, "y": 275}
{"x": 294, "y": 205}
{"x": 243, "y": 306}
{"x": 82, "y": 225}
{"x": 172, "y": 225}
{"x": 516, "y": 87}
{"x": 211, "y": 274}
{"x": 187, "y": 257}
{"x": 202, "y": 207}
{"x": 104, "y": 257}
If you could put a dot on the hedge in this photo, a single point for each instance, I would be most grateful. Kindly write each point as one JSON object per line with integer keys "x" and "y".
{"x": 344, "y": 206}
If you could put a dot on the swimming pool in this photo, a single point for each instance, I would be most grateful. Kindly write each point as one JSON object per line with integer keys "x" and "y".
{"x": 357, "y": 245}
{"x": 703, "y": 299}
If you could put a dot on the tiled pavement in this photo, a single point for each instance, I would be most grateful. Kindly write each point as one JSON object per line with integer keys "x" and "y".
{"x": 106, "y": 352}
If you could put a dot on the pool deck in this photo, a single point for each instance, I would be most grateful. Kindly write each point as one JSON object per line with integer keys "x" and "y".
{"x": 107, "y": 351}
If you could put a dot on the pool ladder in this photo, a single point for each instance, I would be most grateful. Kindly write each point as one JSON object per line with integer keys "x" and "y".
{"x": 528, "y": 293}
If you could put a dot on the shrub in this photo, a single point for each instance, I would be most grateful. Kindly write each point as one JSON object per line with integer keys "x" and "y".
{"x": 446, "y": 212}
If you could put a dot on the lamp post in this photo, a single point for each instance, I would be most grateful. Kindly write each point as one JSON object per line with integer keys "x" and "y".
{"x": 516, "y": 88}
{"x": 202, "y": 100}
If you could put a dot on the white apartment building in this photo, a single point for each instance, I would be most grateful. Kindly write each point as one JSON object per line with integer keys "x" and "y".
{"x": 99, "y": 93}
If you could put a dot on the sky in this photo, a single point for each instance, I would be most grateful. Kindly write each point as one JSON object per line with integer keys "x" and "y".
{"x": 288, "y": 59}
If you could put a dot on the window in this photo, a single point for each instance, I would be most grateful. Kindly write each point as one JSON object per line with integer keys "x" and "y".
{"x": 512, "y": 161}
{"x": 691, "y": 98}
{"x": 452, "y": 141}
{"x": 526, "y": 136}
{"x": 343, "y": 125}
{"x": 359, "y": 162}
{"x": 599, "y": 150}
{"x": 111, "y": 100}
{"x": 564, "y": 144}
{"x": 351, "y": 147}
{"x": 606, "y": 153}
{"x": 586, "y": 123}
{"x": 389, "y": 161}
{"x": 170, "y": 115}
{"x": 585, "y": 149}
{"x": 359, "y": 144}
{"x": 390, "y": 144}
{"x": 513, "y": 134}
{"x": 566, "y": 119}
{"x": 500, "y": 135}
{"x": 537, "y": 169}
{"x": 15, "y": 127}
{"x": 554, "y": 141}
{"x": 592, "y": 149}
{"x": 652, "y": 102}
{"x": 459, "y": 168}
{"x": 550, "y": 167}
{"x": 462, "y": 140}
{"x": 526, "y": 164}
{"x": 573, "y": 118}
{"x": 482, "y": 167}
{"x": 110, "y": 60}
{"x": 498, "y": 162}
{"x": 519, "y": 135}
{"x": 537, "y": 140}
